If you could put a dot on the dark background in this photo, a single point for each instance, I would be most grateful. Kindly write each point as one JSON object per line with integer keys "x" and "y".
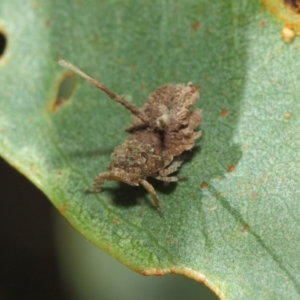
{"x": 28, "y": 265}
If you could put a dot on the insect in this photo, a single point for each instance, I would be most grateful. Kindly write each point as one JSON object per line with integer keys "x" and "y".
{"x": 161, "y": 131}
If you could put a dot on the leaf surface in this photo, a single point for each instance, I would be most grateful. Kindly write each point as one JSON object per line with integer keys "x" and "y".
{"x": 234, "y": 224}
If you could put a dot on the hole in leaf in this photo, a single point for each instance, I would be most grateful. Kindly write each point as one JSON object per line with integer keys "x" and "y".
{"x": 65, "y": 91}
{"x": 294, "y": 4}
{"x": 2, "y": 43}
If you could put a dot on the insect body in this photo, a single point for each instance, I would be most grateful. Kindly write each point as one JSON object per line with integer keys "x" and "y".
{"x": 161, "y": 131}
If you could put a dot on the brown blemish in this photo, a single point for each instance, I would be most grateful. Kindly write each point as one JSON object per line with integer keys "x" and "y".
{"x": 64, "y": 91}
{"x": 63, "y": 208}
{"x": 143, "y": 86}
{"x": 198, "y": 88}
{"x": 116, "y": 221}
{"x": 204, "y": 185}
{"x": 244, "y": 228}
{"x": 288, "y": 12}
{"x": 196, "y": 25}
{"x": 224, "y": 112}
{"x": 287, "y": 116}
{"x": 274, "y": 10}
{"x": 254, "y": 195}
{"x": 239, "y": 20}
{"x": 170, "y": 241}
{"x": 48, "y": 23}
{"x": 231, "y": 168}
{"x": 263, "y": 23}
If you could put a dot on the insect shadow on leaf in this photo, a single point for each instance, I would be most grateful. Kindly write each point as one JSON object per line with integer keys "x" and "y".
{"x": 161, "y": 132}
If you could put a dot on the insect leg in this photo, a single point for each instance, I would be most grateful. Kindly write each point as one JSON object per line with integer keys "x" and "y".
{"x": 98, "y": 182}
{"x": 152, "y": 192}
{"x": 167, "y": 179}
{"x": 173, "y": 167}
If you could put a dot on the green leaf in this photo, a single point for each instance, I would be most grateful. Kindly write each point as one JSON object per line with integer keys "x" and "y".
{"x": 234, "y": 223}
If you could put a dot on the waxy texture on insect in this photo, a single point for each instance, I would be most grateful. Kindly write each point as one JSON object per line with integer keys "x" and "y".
{"x": 161, "y": 131}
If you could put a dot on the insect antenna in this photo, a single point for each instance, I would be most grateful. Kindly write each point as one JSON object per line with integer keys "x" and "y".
{"x": 132, "y": 108}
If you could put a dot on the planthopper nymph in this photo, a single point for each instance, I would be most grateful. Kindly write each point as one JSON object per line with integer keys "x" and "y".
{"x": 160, "y": 132}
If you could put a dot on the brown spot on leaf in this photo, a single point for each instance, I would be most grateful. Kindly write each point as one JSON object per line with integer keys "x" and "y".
{"x": 254, "y": 195}
{"x": 197, "y": 88}
{"x": 143, "y": 86}
{"x": 274, "y": 10}
{"x": 263, "y": 23}
{"x": 64, "y": 91}
{"x": 287, "y": 116}
{"x": 116, "y": 221}
{"x": 265, "y": 2}
{"x": 244, "y": 228}
{"x": 204, "y": 185}
{"x": 231, "y": 168}
{"x": 239, "y": 20}
{"x": 288, "y": 12}
{"x": 63, "y": 208}
{"x": 224, "y": 112}
{"x": 48, "y": 23}
{"x": 196, "y": 25}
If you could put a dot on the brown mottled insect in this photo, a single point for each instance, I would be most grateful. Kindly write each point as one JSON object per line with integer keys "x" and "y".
{"x": 161, "y": 131}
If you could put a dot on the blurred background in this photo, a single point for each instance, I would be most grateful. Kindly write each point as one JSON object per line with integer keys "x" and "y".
{"x": 42, "y": 257}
